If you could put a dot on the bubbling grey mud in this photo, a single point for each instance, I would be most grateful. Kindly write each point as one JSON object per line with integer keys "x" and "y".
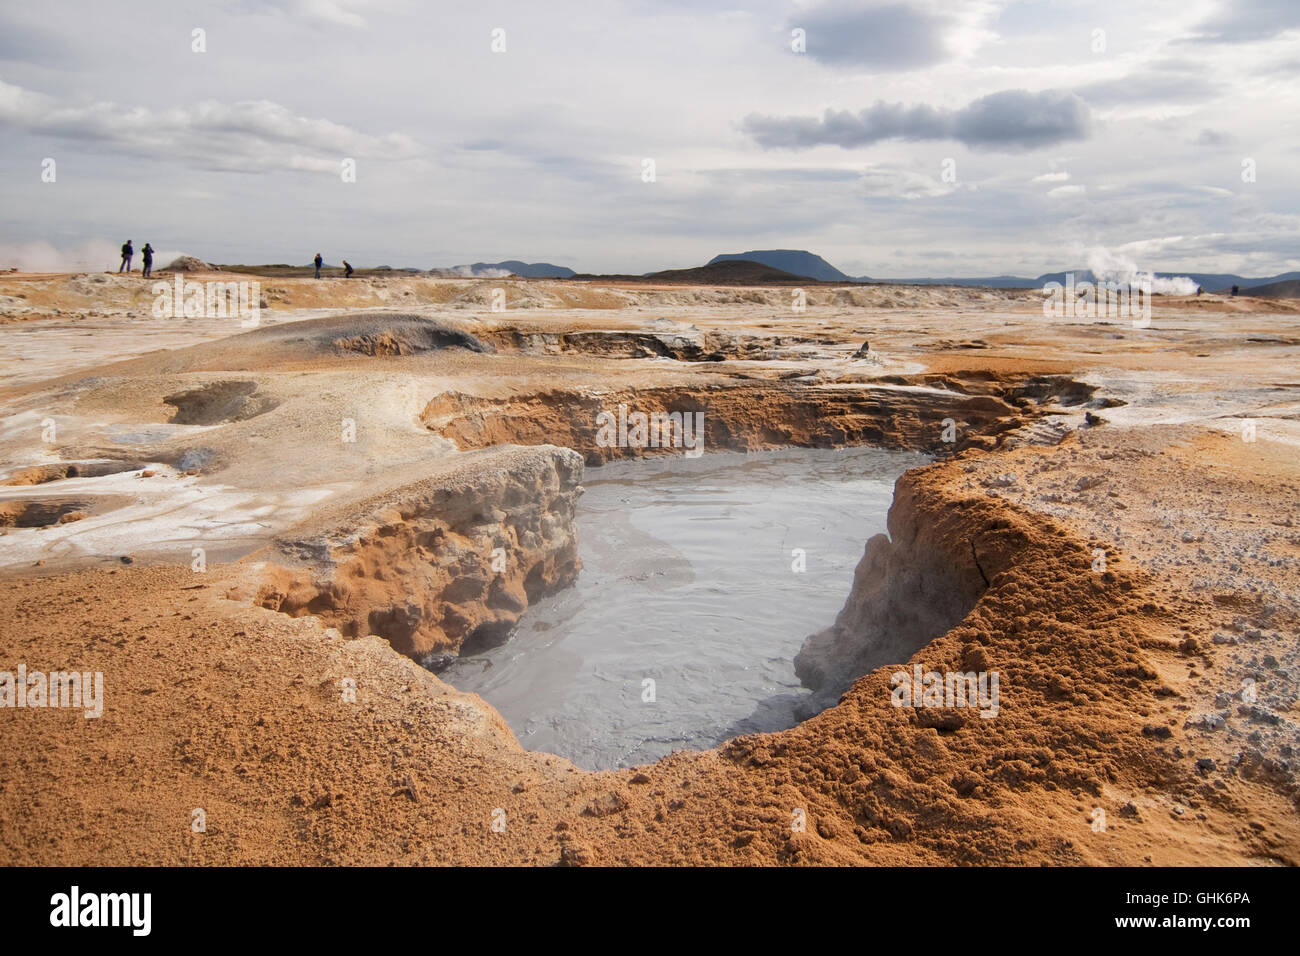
{"x": 701, "y": 579}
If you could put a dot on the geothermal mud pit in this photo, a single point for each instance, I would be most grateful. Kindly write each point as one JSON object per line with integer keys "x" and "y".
{"x": 700, "y": 576}
{"x": 258, "y": 535}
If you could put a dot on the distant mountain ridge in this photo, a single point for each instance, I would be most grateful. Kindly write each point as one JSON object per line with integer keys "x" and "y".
{"x": 802, "y": 264}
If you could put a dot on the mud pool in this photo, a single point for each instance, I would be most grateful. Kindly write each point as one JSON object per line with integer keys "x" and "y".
{"x": 681, "y": 630}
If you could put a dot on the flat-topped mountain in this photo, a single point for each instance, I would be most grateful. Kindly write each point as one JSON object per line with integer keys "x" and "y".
{"x": 796, "y": 262}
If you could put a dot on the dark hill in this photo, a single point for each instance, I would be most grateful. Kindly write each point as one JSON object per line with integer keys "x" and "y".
{"x": 1287, "y": 289}
{"x": 731, "y": 272}
{"x": 796, "y": 262}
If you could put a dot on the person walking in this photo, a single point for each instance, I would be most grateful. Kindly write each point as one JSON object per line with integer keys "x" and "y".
{"x": 350, "y": 270}
{"x": 127, "y": 253}
{"x": 319, "y": 262}
{"x": 147, "y": 254}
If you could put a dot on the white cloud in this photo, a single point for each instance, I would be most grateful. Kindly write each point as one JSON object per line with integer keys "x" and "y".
{"x": 345, "y": 13}
{"x": 247, "y": 136}
{"x": 896, "y": 183}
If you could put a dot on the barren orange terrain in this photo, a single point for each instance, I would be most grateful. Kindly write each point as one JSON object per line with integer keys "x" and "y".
{"x": 254, "y": 533}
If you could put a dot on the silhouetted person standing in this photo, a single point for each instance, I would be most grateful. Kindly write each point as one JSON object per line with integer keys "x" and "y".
{"x": 147, "y": 255}
{"x": 319, "y": 262}
{"x": 127, "y": 253}
{"x": 350, "y": 270}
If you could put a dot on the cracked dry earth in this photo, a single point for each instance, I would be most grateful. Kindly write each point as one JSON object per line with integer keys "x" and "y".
{"x": 349, "y": 469}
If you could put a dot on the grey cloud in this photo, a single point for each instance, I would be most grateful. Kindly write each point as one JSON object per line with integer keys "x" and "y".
{"x": 1010, "y": 120}
{"x": 25, "y": 43}
{"x": 1214, "y": 137}
{"x": 889, "y": 36}
{"x": 1244, "y": 21}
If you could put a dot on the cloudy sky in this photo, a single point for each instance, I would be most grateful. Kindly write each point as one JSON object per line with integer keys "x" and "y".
{"x": 904, "y": 139}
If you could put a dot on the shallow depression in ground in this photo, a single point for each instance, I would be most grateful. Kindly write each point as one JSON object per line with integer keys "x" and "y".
{"x": 702, "y": 576}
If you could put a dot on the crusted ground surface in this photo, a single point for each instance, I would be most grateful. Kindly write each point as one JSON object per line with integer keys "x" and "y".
{"x": 1133, "y": 580}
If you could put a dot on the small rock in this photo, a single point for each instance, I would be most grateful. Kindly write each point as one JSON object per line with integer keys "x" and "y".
{"x": 575, "y": 855}
{"x": 1206, "y": 721}
{"x": 606, "y": 804}
{"x": 1258, "y": 714}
